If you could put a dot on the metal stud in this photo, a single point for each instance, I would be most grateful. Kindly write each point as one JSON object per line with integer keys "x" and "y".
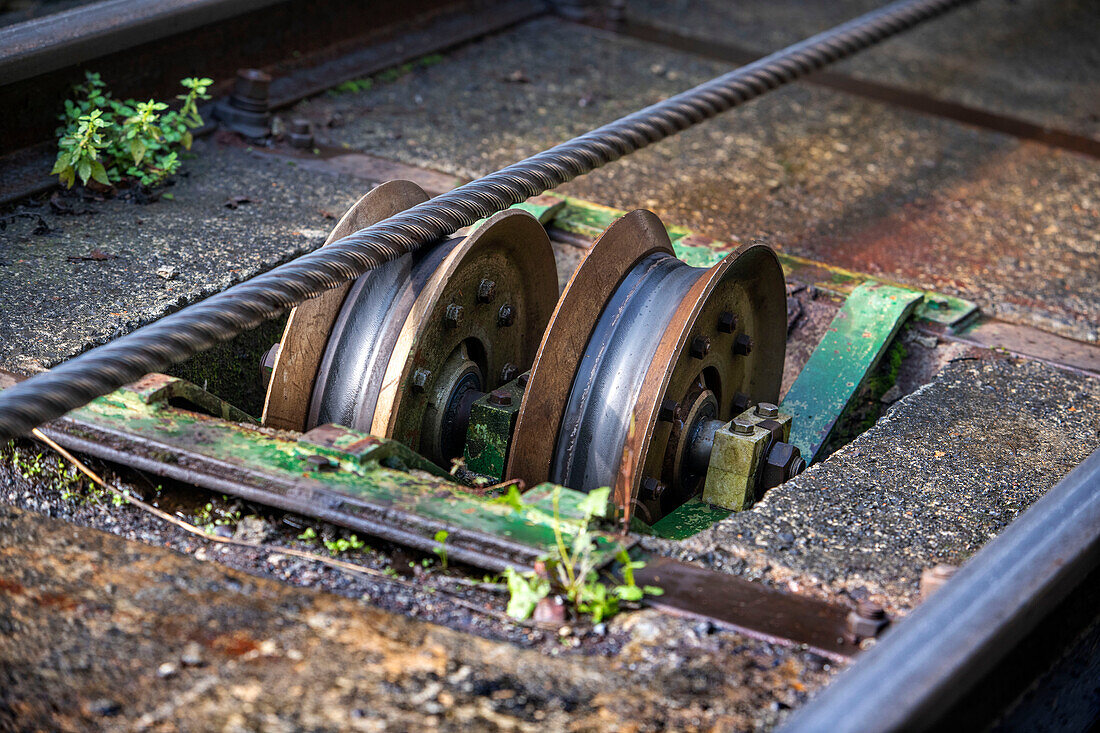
{"x": 742, "y": 345}
{"x": 453, "y": 315}
{"x": 700, "y": 347}
{"x": 727, "y": 322}
{"x": 486, "y": 291}
{"x": 507, "y": 316}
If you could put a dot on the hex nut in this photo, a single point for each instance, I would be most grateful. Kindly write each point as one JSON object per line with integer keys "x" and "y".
{"x": 486, "y": 291}
{"x": 453, "y": 315}
{"x": 782, "y": 462}
{"x": 316, "y": 462}
{"x": 651, "y": 489}
{"x": 507, "y": 316}
{"x": 767, "y": 409}
{"x": 727, "y": 322}
{"x": 700, "y": 347}
{"x": 508, "y": 372}
{"x": 742, "y": 345}
{"x": 739, "y": 403}
{"x": 500, "y": 398}
{"x": 420, "y": 379}
{"x": 743, "y": 427}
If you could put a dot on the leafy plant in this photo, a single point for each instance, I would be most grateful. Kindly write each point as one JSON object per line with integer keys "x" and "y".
{"x": 337, "y": 546}
{"x": 574, "y": 566}
{"x": 441, "y": 537}
{"x": 309, "y": 535}
{"x": 107, "y": 140}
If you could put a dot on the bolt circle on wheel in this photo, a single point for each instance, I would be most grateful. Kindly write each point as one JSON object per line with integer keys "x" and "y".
{"x": 640, "y": 358}
{"x": 415, "y": 342}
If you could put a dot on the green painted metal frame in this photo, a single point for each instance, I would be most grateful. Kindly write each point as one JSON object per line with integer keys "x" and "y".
{"x": 368, "y": 484}
{"x": 852, "y": 346}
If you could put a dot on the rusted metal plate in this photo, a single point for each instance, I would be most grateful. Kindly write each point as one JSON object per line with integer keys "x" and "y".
{"x": 750, "y": 608}
{"x": 1032, "y": 342}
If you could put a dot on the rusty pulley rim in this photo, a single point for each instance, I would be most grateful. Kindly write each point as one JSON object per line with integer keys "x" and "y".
{"x": 559, "y": 354}
{"x": 635, "y": 330}
{"x": 301, "y": 348}
{"x": 416, "y": 338}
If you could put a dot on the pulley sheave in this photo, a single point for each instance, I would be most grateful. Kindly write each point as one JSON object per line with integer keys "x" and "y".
{"x": 643, "y": 358}
{"x": 413, "y": 343}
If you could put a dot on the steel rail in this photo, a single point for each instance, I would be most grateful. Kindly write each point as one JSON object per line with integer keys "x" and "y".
{"x": 943, "y": 649}
{"x": 220, "y": 317}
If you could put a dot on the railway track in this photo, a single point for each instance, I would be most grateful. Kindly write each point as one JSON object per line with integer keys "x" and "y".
{"x": 430, "y": 331}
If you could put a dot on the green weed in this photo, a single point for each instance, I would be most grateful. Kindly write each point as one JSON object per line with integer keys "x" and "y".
{"x": 107, "y": 140}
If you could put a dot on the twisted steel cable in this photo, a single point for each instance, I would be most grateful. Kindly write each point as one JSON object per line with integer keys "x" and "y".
{"x": 199, "y": 326}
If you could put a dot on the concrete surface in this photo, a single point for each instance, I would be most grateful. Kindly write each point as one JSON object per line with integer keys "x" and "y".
{"x": 1021, "y": 58}
{"x": 945, "y": 470}
{"x": 1014, "y": 226}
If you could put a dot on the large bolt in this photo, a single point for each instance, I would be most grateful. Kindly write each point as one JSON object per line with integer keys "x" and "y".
{"x": 420, "y": 380}
{"x": 251, "y": 90}
{"x": 507, "y": 316}
{"x": 667, "y": 411}
{"x": 743, "y": 427}
{"x": 508, "y": 372}
{"x": 700, "y": 347}
{"x": 742, "y": 345}
{"x": 317, "y": 462}
{"x": 739, "y": 403}
{"x": 300, "y": 133}
{"x": 651, "y": 489}
{"x": 932, "y": 579}
{"x": 500, "y": 398}
{"x": 767, "y": 409}
{"x": 452, "y": 316}
{"x": 727, "y": 322}
{"x": 866, "y": 621}
{"x": 486, "y": 291}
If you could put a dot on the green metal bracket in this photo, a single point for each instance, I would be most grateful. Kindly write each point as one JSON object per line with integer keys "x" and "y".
{"x": 492, "y": 419}
{"x": 850, "y": 349}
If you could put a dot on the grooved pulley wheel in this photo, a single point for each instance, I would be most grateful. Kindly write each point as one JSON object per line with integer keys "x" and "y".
{"x": 413, "y": 343}
{"x": 643, "y": 354}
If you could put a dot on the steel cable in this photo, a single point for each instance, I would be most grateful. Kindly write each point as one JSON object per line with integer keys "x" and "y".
{"x": 220, "y": 317}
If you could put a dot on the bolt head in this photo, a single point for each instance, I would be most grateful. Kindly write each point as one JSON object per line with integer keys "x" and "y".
{"x": 317, "y": 462}
{"x": 452, "y": 316}
{"x": 651, "y": 489}
{"x": 507, "y": 316}
{"x": 742, "y": 344}
{"x": 727, "y": 322}
{"x": 252, "y": 84}
{"x": 767, "y": 409}
{"x": 700, "y": 347}
{"x": 743, "y": 427}
{"x": 508, "y": 372}
{"x": 739, "y": 403}
{"x": 486, "y": 291}
{"x": 500, "y": 398}
{"x": 420, "y": 379}
{"x": 300, "y": 126}
{"x": 667, "y": 411}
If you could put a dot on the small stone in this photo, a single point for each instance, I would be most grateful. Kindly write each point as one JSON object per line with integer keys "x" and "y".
{"x": 192, "y": 655}
{"x": 168, "y": 669}
{"x": 704, "y": 628}
{"x": 565, "y": 631}
{"x": 600, "y": 629}
{"x": 891, "y": 395}
{"x": 223, "y": 530}
{"x": 104, "y": 706}
{"x": 166, "y": 271}
{"x": 550, "y": 610}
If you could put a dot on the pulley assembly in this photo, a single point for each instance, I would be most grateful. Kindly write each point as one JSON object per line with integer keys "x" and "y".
{"x": 642, "y": 377}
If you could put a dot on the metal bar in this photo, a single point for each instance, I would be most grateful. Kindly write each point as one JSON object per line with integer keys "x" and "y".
{"x": 855, "y": 342}
{"x": 936, "y": 656}
{"x": 90, "y": 31}
{"x": 750, "y": 608}
{"x": 224, "y": 315}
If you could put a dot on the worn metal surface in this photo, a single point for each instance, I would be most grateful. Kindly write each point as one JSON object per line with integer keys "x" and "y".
{"x": 735, "y": 477}
{"x": 853, "y": 345}
{"x": 748, "y": 607}
{"x": 946, "y": 646}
